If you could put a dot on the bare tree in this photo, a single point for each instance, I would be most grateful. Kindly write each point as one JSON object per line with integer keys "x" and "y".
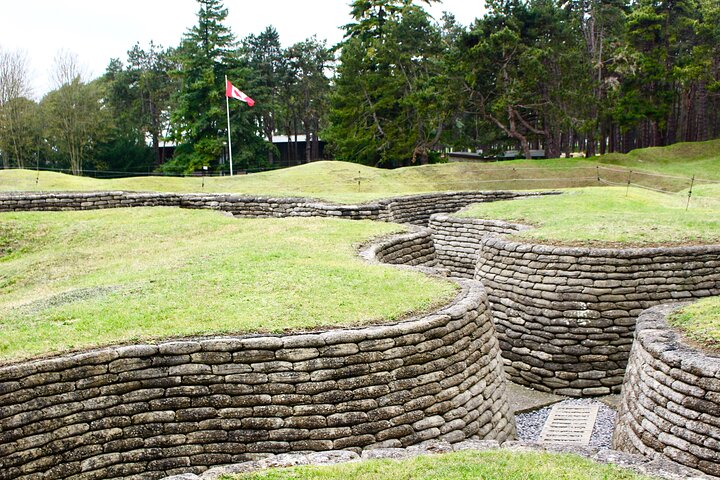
{"x": 75, "y": 117}
{"x": 66, "y": 68}
{"x": 14, "y": 88}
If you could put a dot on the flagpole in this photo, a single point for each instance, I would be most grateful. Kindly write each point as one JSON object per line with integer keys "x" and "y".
{"x": 227, "y": 109}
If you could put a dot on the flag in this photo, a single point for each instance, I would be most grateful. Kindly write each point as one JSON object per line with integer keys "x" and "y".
{"x": 232, "y": 91}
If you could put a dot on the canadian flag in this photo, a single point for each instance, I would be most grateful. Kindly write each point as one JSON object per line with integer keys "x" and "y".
{"x": 232, "y": 91}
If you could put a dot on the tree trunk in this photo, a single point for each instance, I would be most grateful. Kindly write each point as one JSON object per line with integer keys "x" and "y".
{"x": 291, "y": 159}
{"x": 625, "y": 142}
{"x": 569, "y": 144}
{"x": 156, "y": 148}
{"x": 316, "y": 141}
{"x": 590, "y": 144}
{"x": 308, "y": 144}
{"x": 271, "y": 154}
{"x": 657, "y": 138}
{"x": 525, "y": 146}
{"x": 269, "y": 128}
{"x": 552, "y": 144}
{"x": 701, "y": 123}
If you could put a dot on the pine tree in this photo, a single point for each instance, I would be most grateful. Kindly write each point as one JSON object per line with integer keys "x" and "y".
{"x": 205, "y": 56}
{"x": 306, "y": 91}
{"x": 266, "y": 62}
{"x": 387, "y": 109}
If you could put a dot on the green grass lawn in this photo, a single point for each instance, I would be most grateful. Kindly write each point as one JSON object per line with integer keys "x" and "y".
{"x": 701, "y": 159}
{"x": 72, "y": 280}
{"x": 700, "y": 322}
{"x": 608, "y": 216}
{"x": 335, "y": 181}
{"x": 492, "y": 465}
{"x": 349, "y": 182}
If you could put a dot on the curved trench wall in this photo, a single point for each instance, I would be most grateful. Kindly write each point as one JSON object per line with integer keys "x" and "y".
{"x": 147, "y": 411}
{"x": 671, "y": 398}
{"x": 414, "y": 209}
{"x": 458, "y": 240}
{"x": 417, "y": 209}
{"x": 411, "y": 249}
{"x": 566, "y": 316}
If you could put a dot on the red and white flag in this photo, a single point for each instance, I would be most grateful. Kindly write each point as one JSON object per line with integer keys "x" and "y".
{"x": 232, "y": 91}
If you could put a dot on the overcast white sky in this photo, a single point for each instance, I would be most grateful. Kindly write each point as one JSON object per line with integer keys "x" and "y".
{"x": 98, "y": 30}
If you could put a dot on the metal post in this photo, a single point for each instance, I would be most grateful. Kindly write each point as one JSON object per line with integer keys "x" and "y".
{"x": 628, "y": 185}
{"x": 692, "y": 184}
{"x": 227, "y": 109}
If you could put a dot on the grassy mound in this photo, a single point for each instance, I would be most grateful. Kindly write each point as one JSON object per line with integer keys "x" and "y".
{"x": 349, "y": 182}
{"x": 700, "y": 322}
{"x": 608, "y": 216}
{"x": 336, "y": 181}
{"x": 697, "y": 158}
{"x": 497, "y": 465}
{"x": 78, "y": 279}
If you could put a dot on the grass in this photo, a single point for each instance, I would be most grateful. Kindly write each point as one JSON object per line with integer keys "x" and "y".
{"x": 493, "y": 465}
{"x": 79, "y": 279}
{"x": 608, "y": 216}
{"x": 700, "y": 322}
{"x": 701, "y": 159}
{"x": 335, "y": 181}
{"x": 12, "y": 237}
{"x": 350, "y": 183}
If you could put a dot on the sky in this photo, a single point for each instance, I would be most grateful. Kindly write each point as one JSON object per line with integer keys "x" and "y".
{"x": 98, "y": 30}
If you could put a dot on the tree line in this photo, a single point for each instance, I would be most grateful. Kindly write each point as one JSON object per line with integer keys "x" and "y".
{"x": 120, "y": 121}
{"x": 595, "y": 76}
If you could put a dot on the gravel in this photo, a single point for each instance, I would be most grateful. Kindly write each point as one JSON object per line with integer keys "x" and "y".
{"x": 529, "y": 425}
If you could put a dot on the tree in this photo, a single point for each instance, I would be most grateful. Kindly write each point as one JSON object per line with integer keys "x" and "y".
{"x": 602, "y": 24}
{"x": 150, "y": 80}
{"x": 306, "y": 92}
{"x": 20, "y": 132}
{"x": 526, "y": 75}
{"x": 17, "y": 129}
{"x": 388, "y": 107}
{"x": 204, "y": 57}
{"x": 659, "y": 39}
{"x": 707, "y": 55}
{"x": 139, "y": 96}
{"x": 501, "y": 92}
{"x": 268, "y": 68}
{"x": 75, "y": 116}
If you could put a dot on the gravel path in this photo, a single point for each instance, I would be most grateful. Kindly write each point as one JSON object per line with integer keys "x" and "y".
{"x": 529, "y": 425}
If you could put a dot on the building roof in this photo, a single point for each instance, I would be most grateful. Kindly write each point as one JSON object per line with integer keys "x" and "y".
{"x": 284, "y": 138}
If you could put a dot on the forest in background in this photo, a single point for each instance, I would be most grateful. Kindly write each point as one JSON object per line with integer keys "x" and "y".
{"x": 592, "y": 76}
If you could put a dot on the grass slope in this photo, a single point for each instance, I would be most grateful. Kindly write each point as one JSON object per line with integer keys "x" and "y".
{"x": 701, "y": 159}
{"x": 349, "y": 182}
{"x": 700, "y": 322}
{"x": 75, "y": 279}
{"x": 607, "y": 216}
{"x": 497, "y": 465}
{"x": 337, "y": 181}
